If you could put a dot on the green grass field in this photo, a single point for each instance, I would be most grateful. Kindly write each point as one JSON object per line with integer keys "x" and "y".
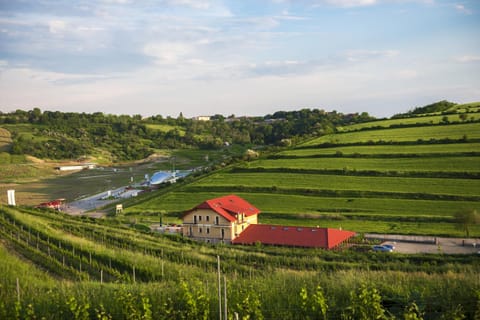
{"x": 417, "y": 200}
{"x": 5, "y": 140}
{"x": 454, "y": 132}
{"x": 165, "y": 128}
{"x": 441, "y": 186}
{"x": 433, "y": 164}
{"x": 56, "y": 266}
{"x": 410, "y": 121}
{"x": 439, "y": 149}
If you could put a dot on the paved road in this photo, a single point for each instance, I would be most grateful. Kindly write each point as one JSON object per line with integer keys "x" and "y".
{"x": 92, "y": 203}
{"x": 444, "y": 245}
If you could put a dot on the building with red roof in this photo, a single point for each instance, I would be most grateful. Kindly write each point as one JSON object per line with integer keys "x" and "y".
{"x": 309, "y": 237}
{"x": 231, "y": 219}
{"x": 220, "y": 219}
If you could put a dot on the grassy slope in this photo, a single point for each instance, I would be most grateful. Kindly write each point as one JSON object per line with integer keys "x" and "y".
{"x": 381, "y": 203}
{"x": 424, "y": 120}
{"x": 73, "y": 251}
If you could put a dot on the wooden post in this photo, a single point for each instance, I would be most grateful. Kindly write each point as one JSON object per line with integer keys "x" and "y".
{"x": 63, "y": 261}
{"x": 133, "y": 274}
{"x": 18, "y": 290}
{"x": 101, "y": 275}
{"x": 219, "y": 290}
{"x": 225, "y": 295}
{"x": 163, "y": 264}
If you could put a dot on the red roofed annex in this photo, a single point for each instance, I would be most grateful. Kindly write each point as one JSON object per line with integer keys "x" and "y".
{"x": 312, "y": 237}
{"x": 231, "y": 219}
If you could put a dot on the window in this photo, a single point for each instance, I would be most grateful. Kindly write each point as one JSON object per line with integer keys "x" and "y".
{"x": 208, "y": 218}
{"x": 208, "y": 230}
{"x": 199, "y": 218}
{"x": 194, "y": 219}
{"x": 217, "y": 220}
{"x": 223, "y": 233}
{"x": 199, "y": 230}
{"x": 191, "y": 231}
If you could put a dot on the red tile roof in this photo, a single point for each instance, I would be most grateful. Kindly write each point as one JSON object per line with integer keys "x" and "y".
{"x": 228, "y": 207}
{"x": 293, "y": 236}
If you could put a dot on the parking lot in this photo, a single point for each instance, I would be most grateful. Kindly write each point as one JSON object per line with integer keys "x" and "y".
{"x": 443, "y": 245}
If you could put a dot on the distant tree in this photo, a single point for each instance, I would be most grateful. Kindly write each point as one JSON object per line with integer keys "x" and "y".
{"x": 465, "y": 219}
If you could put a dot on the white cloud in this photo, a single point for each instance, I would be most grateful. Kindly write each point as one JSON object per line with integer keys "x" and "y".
{"x": 57, "y": 26}
{"x": 468, "y": 58}
{"x": 361, "y": 55}
{"x": 197, "y": 4}
{"x": 407, "y": 74}
{"x": 167, "y": 52}
{"x": 461, "y": 8}
{"x": 351, "y": 3}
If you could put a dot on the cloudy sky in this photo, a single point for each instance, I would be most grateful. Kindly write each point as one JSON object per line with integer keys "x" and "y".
{"x": 242, "y": 57}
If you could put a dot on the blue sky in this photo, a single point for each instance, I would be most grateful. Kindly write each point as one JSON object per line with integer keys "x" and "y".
{"x": 242, "y": 57}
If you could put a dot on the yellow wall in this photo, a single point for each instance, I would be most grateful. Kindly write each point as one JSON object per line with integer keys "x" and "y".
{"x": 206, "y": 228}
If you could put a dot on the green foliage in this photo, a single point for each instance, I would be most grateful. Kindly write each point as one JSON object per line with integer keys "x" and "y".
{"x": 315, "y": 307}
{"x": 101, "y": 313}
{"x": 466, "y": 219}
{"x": 434, "y": 107}
{"x": 477, "y": 307}
{"x": 457, "y": 313}
{"x": 78, "y": 309}
{"x": 412, "y": 312}
{"x": 191, "y": 302}
{"x": 366, "y": 304}
{"x": 58, "y": 135}
{"x": 250, "y": 306}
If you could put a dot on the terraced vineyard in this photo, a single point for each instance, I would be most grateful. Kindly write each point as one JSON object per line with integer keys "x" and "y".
{"x": 58, "y": 267}
{"x": 398, "y": 180}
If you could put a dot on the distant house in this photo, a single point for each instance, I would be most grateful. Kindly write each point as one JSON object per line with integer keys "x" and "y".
{"x": 231, "y": 219}
{"x": 219, "y": 220}
{"x": 202, "y": 118}
{"x": 76, "y": 167}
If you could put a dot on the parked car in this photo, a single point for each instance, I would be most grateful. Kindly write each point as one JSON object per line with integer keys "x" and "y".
{"x": 382, "y": 249}
{"x": 391, "y": 246}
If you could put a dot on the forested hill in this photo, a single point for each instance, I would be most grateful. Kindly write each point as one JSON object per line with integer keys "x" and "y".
{"x": 59, "y": 135}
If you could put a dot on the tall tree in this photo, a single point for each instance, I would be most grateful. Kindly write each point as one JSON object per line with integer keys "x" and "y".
{"x": 465, "y": 219}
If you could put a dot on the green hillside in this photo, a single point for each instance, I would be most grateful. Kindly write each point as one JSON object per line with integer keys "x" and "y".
{"x": 62, "y": 267}
{"x": 5, "y": 140}
{"x": 397, "y": 180}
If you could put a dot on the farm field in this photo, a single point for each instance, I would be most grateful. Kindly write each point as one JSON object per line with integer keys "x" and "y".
{"x": 391, "y": 150}
{"x": 439, "y": 132}
{"x": 414, "y": 189}
{"x": 58, "y": 267}
{"x": 419, "y": 120}
{"x": 449, "y": 164}
{"x": 291, "y": 181}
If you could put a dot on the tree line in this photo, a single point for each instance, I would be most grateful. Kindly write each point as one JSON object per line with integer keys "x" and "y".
{"x": 61, "y": 135}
